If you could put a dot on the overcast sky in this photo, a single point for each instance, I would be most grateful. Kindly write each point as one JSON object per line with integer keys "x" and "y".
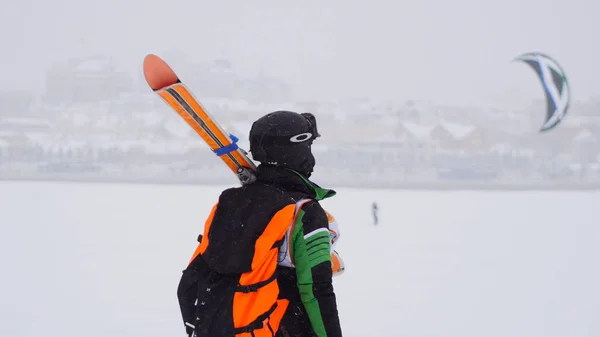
{"x": 452, "y": 52}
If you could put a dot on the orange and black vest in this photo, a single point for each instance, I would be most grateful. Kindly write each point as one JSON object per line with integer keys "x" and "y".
{"x": 234, "y": 266}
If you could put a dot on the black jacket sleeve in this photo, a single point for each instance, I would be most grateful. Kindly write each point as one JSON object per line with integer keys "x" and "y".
{"x": 311, "y": 255}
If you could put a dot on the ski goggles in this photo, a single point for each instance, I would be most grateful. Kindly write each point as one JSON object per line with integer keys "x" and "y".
{"x": 313, "y": 124}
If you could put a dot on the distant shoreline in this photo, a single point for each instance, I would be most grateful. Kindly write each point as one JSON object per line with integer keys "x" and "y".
{"x": 433, "y": 185}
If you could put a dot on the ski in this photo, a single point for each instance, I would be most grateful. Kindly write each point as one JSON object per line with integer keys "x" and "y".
{"x": 164, "y": 82}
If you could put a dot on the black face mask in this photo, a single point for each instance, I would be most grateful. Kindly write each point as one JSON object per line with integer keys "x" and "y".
{"x": 305, "y": 165}
{"x": 298, "y": 158}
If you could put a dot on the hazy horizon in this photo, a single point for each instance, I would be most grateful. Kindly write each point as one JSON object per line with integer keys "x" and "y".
{"x": 448, "y": 53}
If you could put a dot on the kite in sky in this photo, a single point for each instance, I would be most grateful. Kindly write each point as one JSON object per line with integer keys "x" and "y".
{"x": 556, "y": 87}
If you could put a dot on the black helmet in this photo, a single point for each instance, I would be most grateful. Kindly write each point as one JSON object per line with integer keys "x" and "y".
{"x": 284, "y": 138}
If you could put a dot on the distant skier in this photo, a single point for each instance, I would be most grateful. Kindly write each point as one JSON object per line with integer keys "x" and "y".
{"x": 374, "y": 210}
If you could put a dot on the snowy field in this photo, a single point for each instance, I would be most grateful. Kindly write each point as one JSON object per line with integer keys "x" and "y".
{"x": 100, "y": 260}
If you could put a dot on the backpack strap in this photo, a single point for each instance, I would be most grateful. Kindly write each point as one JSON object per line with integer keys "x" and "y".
{"x": 258, "y": 323}
{"x": 255, "y": 286}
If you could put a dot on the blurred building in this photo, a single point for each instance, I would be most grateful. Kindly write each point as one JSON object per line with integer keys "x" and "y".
{"x": 85, "y": 80}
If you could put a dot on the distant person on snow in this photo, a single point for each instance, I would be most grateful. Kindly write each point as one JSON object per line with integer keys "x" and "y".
{"x": 374, "y": 210}
{"x": 263, "y": 267}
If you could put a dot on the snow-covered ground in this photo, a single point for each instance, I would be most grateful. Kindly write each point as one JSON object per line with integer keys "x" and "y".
{"x": 99, "y": 260}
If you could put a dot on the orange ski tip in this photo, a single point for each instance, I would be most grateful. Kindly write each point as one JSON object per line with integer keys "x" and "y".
{"x": 157, "y": 72}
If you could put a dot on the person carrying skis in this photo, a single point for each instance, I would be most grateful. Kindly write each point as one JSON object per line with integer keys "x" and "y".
{"x": 263, "y": 267}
